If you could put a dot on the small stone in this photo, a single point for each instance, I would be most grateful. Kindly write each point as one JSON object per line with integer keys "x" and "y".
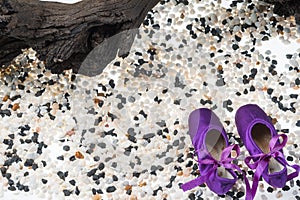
{"x": 72, "y": 182}
{"x": 235, "y": 46}
{"x": 279, "y": 194}
{"x": 66, "y": 148}
{"x": 5, "y": 98}
{"x": 168, "y": 160}
{"x": 101, "y": 166}
{"x": 270, "y": 189}
{"x": 111, "y": 189}
{"x": 79, "y": 155}
{"x": 67, "y": 192}
{"x": 44, "y": 181}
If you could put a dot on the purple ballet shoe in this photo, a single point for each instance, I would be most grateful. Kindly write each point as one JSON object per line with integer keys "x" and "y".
{"x": 214, "y": 155}
{"x": 265, "y": 147}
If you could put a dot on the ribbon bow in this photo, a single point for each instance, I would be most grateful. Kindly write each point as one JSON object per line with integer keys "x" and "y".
{"x": 261, "y": 161}
{"x": 225, "y": 161}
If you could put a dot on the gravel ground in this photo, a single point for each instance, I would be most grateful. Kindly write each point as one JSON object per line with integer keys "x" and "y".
{"x": 124, "y": 134}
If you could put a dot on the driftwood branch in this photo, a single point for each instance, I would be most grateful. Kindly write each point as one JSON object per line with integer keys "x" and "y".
{"x": 286, "y": 8}
{"x": 64, "y": 34}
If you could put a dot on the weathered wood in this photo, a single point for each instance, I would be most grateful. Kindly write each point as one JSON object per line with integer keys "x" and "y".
{"x": 64, "y": 34}
{"x": 286, "y": 8}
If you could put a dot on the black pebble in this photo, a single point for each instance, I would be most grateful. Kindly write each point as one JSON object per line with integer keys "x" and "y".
{"x": 12, "y": 188}
{"x": 44, "y": 181}
{"x": 72, "y": 158}
{"x": 67, "y": 192}
{"x": 39, "y": 93}
{"x": 237, "y": 38}
{"x": 117, "y": 63}
{"x": 295, "y": 96}
{"x": 286, "y": 188}
{"x": 112, "y": 83}
{"x": 21, "y": 87}
{"x": 289, "y": 158}
{"x": 28, "y": 162}
{"x": 96, "y": 158}
{"x": 192, "y": 196}
{"x": 235, "y": 46}
{"x": 297, "y": 81}
{"x": 270, "y": 91}
{"x": 111, "y": 189}
{"x": 91, "y": 172}
{"x": 61, "y": 175}
{"x": 115, "y": 178}
{"x": 26, "y": 188}
{"x": 15, "y": 97}
{"x": 66, "y": 148}
{"x": 34, "y": 166}
{"x": 101, "y": 166}
{"x": 72, "y": 182}
{"x": 270, "y": 189}
{"x": 240, "y": 194}
{"x": 77, "y": 192}
{"x": 60, "y": 158}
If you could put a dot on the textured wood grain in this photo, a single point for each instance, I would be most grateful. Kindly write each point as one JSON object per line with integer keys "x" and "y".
{"x": 64, "y": 34}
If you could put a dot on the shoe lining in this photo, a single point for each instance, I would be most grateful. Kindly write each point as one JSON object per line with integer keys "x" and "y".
{"x": 261, "y": 135}
{"x": 215, "y": 143}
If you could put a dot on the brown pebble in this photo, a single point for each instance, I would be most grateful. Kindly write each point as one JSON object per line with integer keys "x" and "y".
{"x": 180, "y": 173}
{"x": 96, "y": 101}
{"x": 220, "y": 68}
{"x": 96, "y": 197}
{"x": 141, "y": 184}
{"x": 264, "y": 88}
{"x": 168, "y": 137}
{"x": 79, "y": 155}
{"x": 128, "y": 187}
{"x": 70, "y": 133}
{"x": 5, "y": 98}
{"x": 274, "y": 120}
{"x": 15, "y": 107}
{"x": 182, "y": 15}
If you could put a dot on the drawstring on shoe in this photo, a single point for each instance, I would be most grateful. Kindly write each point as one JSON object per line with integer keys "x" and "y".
{"x": 261, "y": 161}
{"x": 225, "y": 161}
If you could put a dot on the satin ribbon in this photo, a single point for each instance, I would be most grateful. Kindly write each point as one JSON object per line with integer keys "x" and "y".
{"x": 261, "y": 161}
{"x": 225, "y": 161}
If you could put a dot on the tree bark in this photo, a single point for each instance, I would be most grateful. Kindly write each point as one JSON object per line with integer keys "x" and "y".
{"x": 286, "y": 8}
{"x": 64, "y": 34}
